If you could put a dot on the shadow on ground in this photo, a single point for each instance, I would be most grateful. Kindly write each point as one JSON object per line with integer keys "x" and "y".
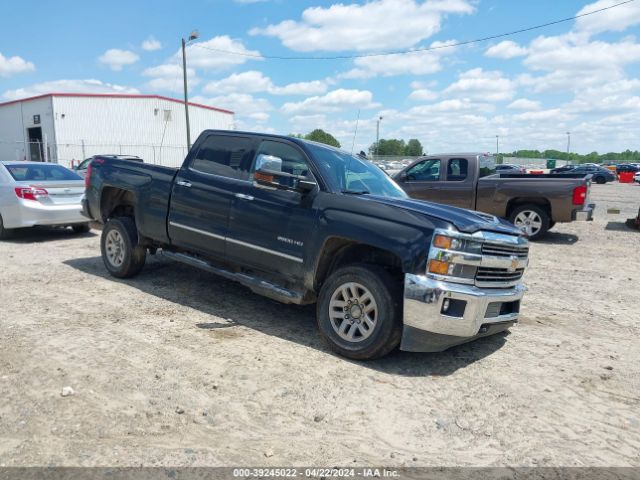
{"x": 620, "y": 227}
{"x": 188, "y": 286}
{"x": 44, "y": 234}
{"x": 558, "y": 238}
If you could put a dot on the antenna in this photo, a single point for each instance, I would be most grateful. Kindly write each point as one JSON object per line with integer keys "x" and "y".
{"x": 355, "y": 133}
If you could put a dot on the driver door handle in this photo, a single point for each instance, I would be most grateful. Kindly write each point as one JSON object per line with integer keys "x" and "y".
{"x": 182, "y": 183}
{"x": 244, "y": 197}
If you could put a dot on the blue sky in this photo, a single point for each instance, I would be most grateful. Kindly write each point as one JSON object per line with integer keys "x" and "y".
{"x": 530, "y": 89}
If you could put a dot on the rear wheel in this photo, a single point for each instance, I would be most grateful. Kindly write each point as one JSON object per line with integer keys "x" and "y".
{"x": 121, "y": 254}
{"x": 5, "y": 233}
{"x": 600, "y": 180}
{"x": 81, "y": 228}
{"x": 531, "y": 219}
{"x": 359, "y": 312}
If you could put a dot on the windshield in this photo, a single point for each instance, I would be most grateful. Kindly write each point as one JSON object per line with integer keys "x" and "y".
{"x": 350, "y": 174}
{"x": 41, "y": 172}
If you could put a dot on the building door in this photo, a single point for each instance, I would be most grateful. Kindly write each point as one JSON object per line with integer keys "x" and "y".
{"x": 34, "y": 135}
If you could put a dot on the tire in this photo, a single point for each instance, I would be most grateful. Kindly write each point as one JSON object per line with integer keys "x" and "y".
{"x": 538, "y": 218}
{"x": 5, "y": 233}
{"x": 600, "y": 180}
{"x": 81, "y": 228}
{"x": 384, "y": 299}
{"x": 121, "y": 254}
{"x": 551, "y": 225}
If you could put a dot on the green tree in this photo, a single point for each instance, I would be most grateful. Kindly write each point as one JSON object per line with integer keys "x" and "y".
{"x": 320, "y": 136}
{"x": 392, "y": 146}
{"x": 413, "y": 148}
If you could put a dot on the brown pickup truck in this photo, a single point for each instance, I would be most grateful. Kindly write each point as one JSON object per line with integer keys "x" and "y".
{"x": 535, "y": 203}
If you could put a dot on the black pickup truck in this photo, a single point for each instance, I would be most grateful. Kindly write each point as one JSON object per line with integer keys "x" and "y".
{"x": 302, "y": 223}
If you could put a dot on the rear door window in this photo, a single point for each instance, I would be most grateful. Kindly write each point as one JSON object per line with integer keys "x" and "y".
{"x": 227, "y": 156}
{"x": 457, "y": 169}
{"x": 487, "y": 165}
{"x": 427, "y": 170}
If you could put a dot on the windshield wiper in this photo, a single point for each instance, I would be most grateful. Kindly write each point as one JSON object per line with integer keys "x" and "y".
{"x": 356, "y": 192}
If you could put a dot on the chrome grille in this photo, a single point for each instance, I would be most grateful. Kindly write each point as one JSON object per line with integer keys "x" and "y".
{"x": 505, "y": 250}
{"x": 498, "y": 277}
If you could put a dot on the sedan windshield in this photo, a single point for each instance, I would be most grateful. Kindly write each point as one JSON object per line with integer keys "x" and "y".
{"x": 40, "y": 173}
{"x": 353, "y": 175}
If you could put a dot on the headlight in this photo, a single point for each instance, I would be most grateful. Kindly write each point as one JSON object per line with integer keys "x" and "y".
{"x": 454, "y": 256}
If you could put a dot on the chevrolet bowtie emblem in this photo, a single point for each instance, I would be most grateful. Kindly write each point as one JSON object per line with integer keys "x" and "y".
{"x": 514, "y": 264}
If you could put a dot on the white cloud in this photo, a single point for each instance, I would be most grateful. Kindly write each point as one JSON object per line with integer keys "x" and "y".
{"x": 576, "y": 53}
{"x": 168, "y": 77}
{"x": 241, "y": 103}
{"x": 68, "y": 86}
{"x": 423, "y": 94}
{"x": 13, "y": 65}
{"x": 254, "y": 82}
{"x": 376, "y": 25}
{"x": 151, "y": 44}
{"x": 524, "y": 104}
{"x": 210, "y": 54}
{"x": 482, "y": 85}
{"x": 333, "y": 101}
{"x": 615, "y": 19}
{"x": 115, "y": 59}
{"x": 418, "y": 63}
{"x": 301, "y": 88}
{"x": 506, "y": 49}
{"x": 554, "y": 114}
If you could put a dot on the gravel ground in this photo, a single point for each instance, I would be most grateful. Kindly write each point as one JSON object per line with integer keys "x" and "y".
{"x": 178, "y": 367}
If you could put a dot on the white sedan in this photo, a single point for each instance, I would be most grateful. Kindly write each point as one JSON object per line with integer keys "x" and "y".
{"x": 36, "y": 193}
{"x": 636, "y": 177}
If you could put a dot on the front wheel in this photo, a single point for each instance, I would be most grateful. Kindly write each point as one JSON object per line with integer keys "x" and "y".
{"x": 600, "y": 180}
{"x": 359, "y": 312}
{"x": 531, "y": 219}
{"x": 121, "y": 253}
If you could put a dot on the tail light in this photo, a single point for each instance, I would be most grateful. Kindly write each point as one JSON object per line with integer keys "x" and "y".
{"x": 580, "y": 195}
{"x": 31, "y": 193}
{"x": 87, "y": 176}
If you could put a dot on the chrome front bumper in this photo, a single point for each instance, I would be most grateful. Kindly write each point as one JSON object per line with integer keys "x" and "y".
{"x": 472, "y": 312}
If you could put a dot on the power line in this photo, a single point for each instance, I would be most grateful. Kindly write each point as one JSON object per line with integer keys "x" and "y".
{"x": 417, "y": 50}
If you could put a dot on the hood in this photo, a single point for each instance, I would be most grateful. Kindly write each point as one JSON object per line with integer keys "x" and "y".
{"x": 464, "y": 220}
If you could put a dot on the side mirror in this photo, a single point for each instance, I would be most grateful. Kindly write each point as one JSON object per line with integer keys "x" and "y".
{"x": 269, "y": 163}
{"x": 402, "y": 177}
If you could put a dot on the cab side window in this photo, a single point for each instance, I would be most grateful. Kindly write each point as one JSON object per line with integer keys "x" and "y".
{"x": 283, "y": 158}
{"x": 457, "y": 169}
{"x": 226, "y": 156}
{"x": 428, "y": 170}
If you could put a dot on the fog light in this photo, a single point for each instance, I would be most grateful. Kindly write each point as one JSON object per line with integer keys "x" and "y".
{"x": 445, "y": 305}
{"x": 438, "y": 267}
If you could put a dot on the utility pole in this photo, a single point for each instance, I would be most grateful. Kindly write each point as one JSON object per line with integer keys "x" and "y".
{"x": 378, "y": 134}
{"x": 497, "y": 147}
{"x": 193, "y": 36}
{"x": 568, "y": 142}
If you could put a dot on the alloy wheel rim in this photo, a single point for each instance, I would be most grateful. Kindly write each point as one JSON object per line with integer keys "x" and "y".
{"x": 353, "y": 312}
{"x": 115, "y": 248}
{"x": 529, "y": 222}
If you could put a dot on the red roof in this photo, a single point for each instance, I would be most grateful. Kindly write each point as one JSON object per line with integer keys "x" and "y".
{"x": 114, "y": 95}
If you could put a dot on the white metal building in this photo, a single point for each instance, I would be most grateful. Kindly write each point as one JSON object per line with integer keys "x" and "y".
{"x": 68, "y": 127}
